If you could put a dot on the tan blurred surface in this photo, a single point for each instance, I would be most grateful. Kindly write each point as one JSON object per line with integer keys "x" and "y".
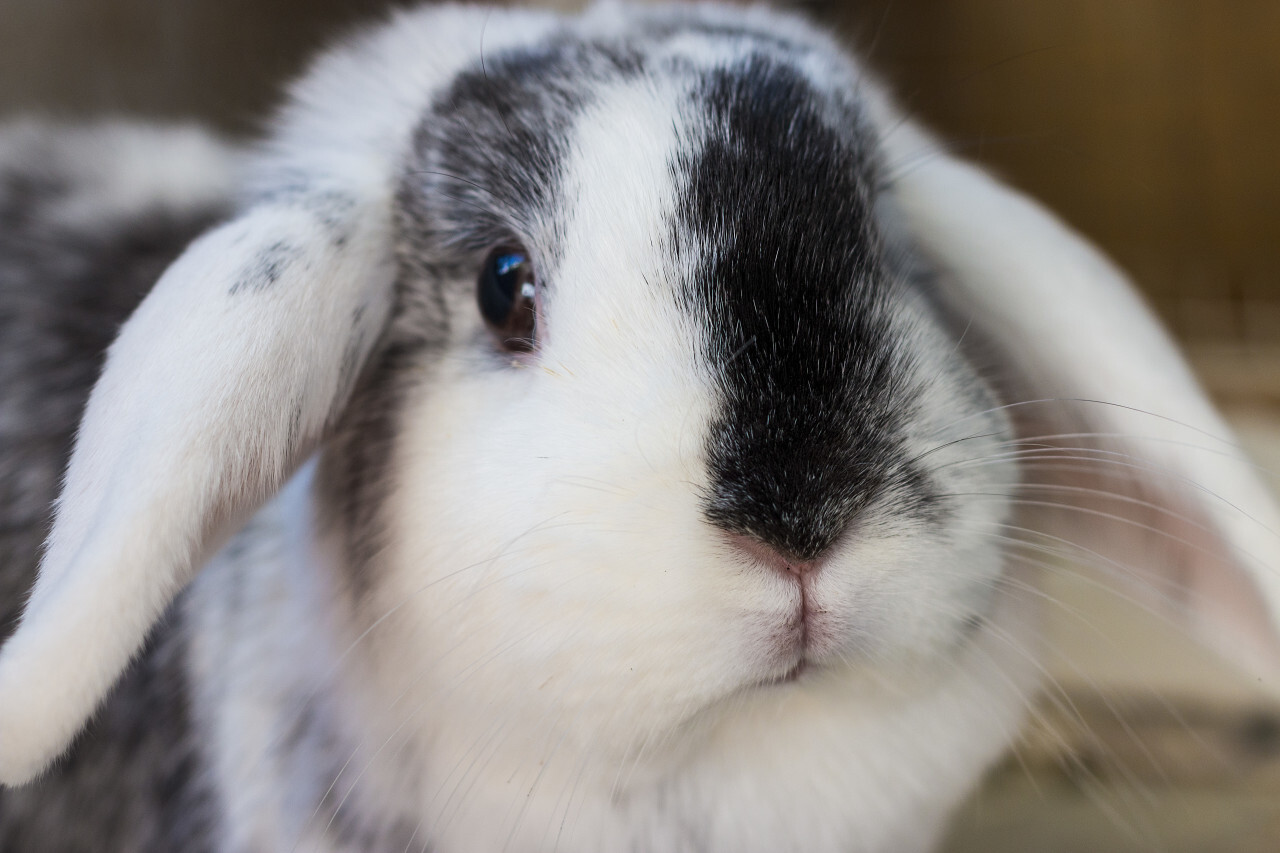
{"x": 219, "y": 60}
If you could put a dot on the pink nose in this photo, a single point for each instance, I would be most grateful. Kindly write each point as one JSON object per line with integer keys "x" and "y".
{"x": 773, "y": 558}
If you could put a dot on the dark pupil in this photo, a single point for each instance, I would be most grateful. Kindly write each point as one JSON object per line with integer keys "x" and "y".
{"x": 506, "y": 295}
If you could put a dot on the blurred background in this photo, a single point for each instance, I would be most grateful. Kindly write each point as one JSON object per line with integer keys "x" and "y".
{"x": 1150, "y": 125}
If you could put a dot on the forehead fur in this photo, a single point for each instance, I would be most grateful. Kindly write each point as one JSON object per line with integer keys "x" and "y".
{"x": 770, "y": 237}
{"x": 489, "y": 156}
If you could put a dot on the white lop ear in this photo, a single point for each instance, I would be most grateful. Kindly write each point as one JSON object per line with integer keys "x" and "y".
{"x": 217, "y": 387}
{"x": 1130, "y": 460}
{"x": 227, "y": 375}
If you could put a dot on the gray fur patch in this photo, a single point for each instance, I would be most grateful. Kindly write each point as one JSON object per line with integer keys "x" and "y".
{"x": 265, "y": 270}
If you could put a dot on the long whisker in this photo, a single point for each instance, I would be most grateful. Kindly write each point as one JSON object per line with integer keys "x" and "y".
{"x": 1097, "y": 513}
{"x": 1116, "y": 712}
{"x": 1045, "y": 401}
{"x": 1067, "y": 549}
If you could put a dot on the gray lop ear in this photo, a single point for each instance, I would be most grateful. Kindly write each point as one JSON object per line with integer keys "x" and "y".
{"x": 219, "y": 385}
{"x": 1124, "y": 456}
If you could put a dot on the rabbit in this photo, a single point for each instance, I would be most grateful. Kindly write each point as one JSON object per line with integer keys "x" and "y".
{"x": 624, "y": 431}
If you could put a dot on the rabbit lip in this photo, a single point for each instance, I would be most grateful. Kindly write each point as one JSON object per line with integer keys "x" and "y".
{"x": 808, "y": 623}
{"x": 812, "y": 633}
{"x": 796, "y": 644}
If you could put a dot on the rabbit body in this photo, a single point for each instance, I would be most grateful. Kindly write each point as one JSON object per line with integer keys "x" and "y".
{"x": 711, "y": 564}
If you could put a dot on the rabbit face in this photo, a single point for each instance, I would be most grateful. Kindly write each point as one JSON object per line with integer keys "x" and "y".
{"x": 724, "y": 465}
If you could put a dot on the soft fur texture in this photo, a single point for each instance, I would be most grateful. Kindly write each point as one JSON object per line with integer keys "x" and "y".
{"x": 739, "y": 557}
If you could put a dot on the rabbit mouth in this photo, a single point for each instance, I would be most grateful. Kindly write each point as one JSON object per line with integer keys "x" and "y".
{"x": 804, "y": 643}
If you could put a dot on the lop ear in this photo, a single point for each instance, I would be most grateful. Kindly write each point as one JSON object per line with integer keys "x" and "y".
{"x": 223, "y": 380}
{"x": 231, "y": 370}
{"x": 1124, "y": 456}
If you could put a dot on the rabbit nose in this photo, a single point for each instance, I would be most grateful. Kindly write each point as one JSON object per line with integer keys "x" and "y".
{"x": 776, "y": 559}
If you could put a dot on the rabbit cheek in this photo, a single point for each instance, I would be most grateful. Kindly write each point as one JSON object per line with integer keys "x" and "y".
{"x": 550, "y": 510}
{"x": 584, "y": 594}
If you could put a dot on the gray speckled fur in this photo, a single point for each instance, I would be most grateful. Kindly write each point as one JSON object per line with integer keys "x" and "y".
{"x": 65, "y": 287}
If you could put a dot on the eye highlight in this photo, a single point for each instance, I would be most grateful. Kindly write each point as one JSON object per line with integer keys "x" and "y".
{"x": 507, "y": 296}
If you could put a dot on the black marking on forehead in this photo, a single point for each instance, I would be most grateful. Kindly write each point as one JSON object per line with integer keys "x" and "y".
{"x": 488, "y": 159}
{"x": 795, "y": 302}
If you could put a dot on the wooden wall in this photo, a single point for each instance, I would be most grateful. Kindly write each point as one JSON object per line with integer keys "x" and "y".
{"x": 1152, "y": 125}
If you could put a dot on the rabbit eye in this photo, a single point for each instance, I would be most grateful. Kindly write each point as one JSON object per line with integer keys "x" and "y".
{"x": 507, "y": 294}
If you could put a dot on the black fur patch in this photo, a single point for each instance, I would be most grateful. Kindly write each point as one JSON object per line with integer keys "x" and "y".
{"x": 795, "y": 301}
{"x": 460, "y": 198}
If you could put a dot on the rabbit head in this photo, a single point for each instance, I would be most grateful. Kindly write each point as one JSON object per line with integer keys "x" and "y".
{"x": 671, "y": 397}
